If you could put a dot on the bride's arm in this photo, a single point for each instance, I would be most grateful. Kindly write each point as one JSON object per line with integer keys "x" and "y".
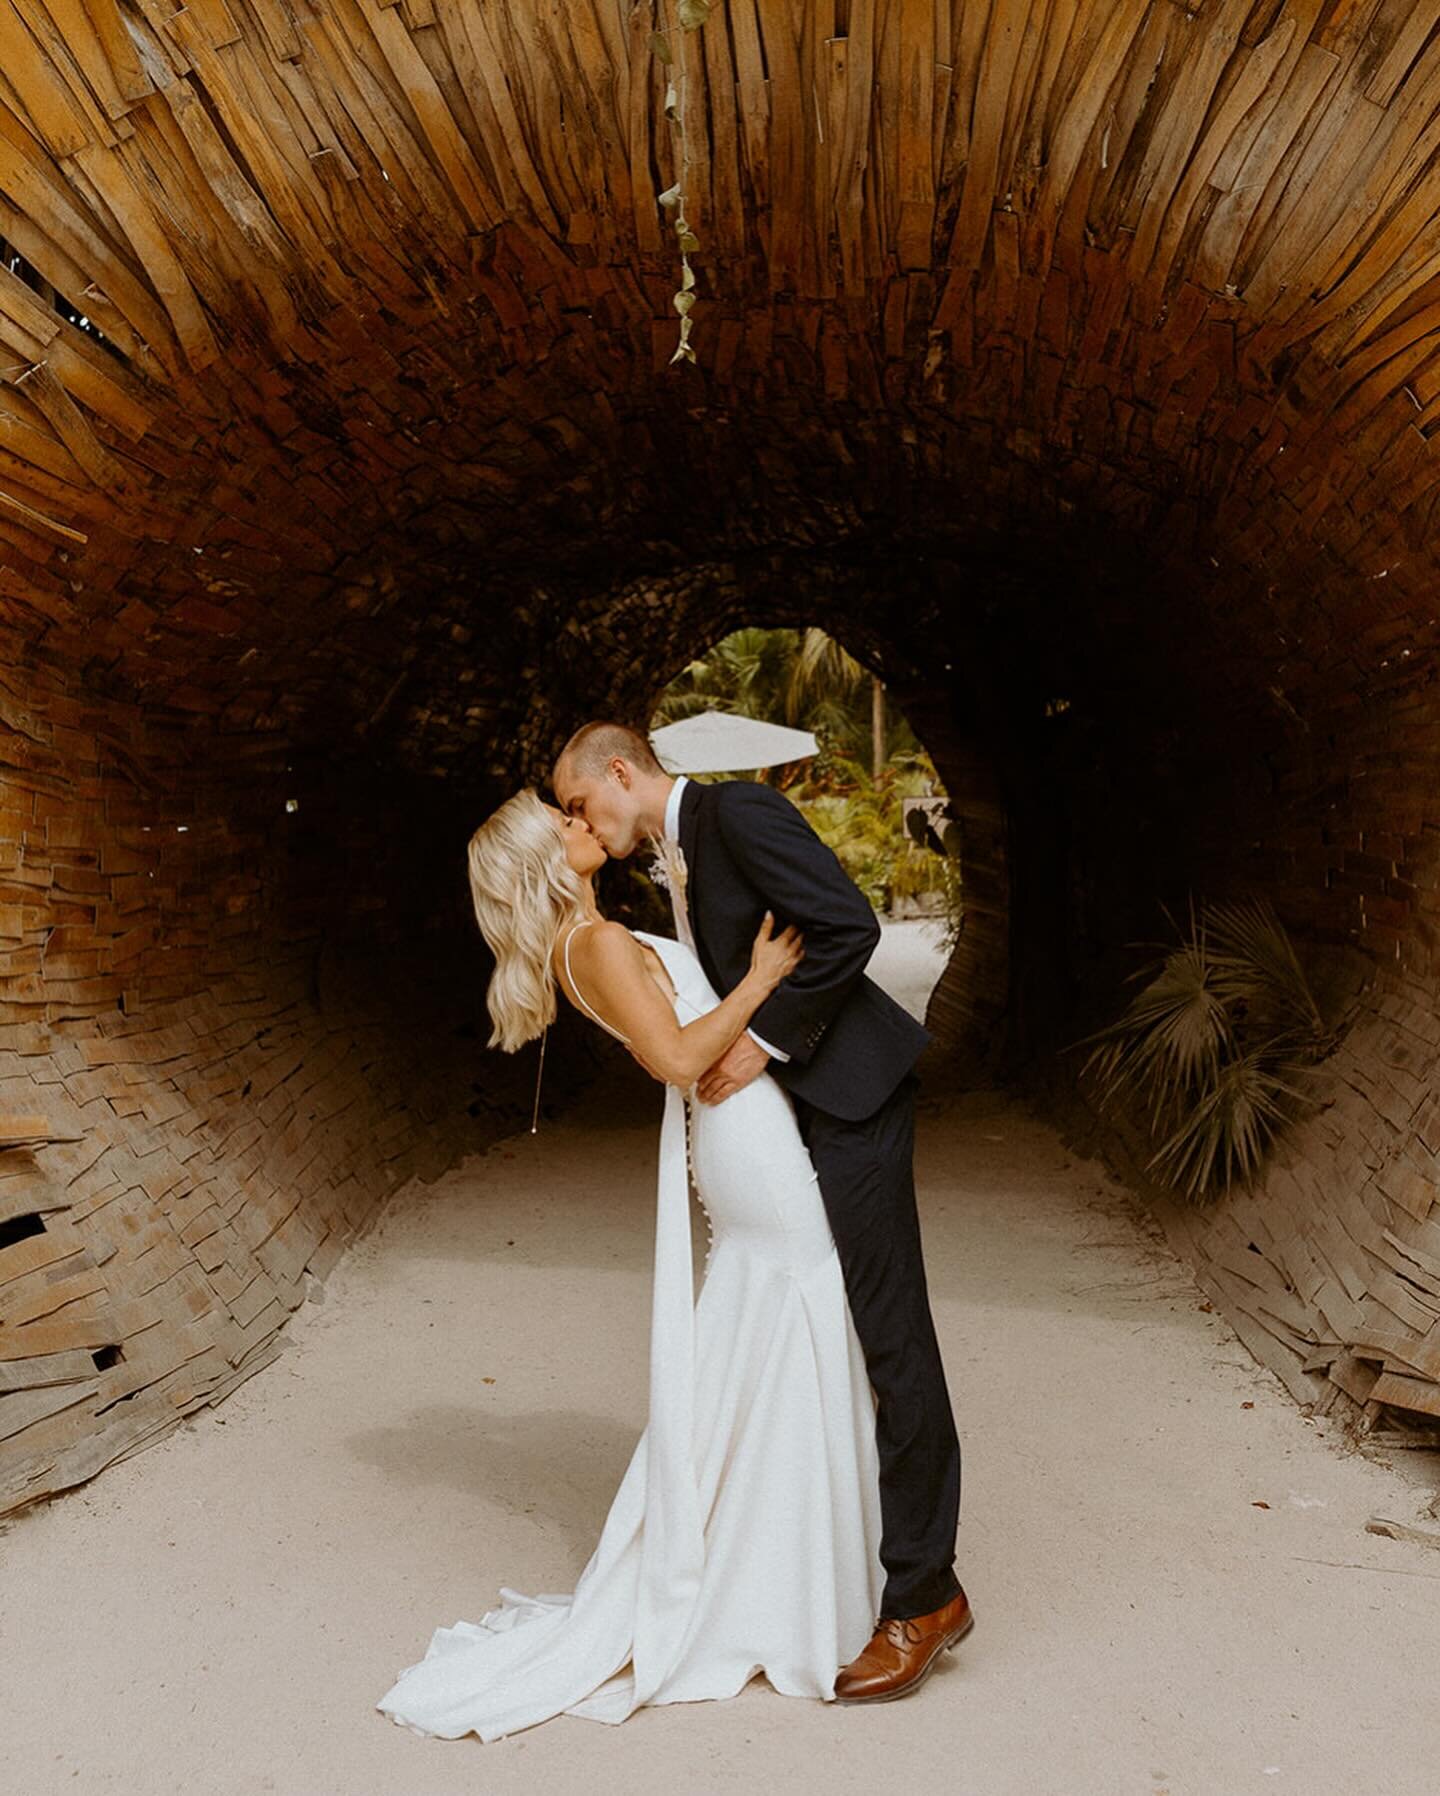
{"x": 617, "y": 981}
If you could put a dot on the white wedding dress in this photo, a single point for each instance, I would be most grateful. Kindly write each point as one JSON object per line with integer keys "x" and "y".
{"x": 744, "y": 1536}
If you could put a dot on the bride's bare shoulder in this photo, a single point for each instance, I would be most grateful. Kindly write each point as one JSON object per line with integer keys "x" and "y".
{"x": 604, "y": 944}
{"x": 615, "y": 959}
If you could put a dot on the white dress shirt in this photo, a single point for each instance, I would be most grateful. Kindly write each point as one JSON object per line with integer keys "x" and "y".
{"x": 682, "y": 910}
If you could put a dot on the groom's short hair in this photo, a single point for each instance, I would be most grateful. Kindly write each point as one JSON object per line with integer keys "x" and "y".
{"x": 594, "y": 745}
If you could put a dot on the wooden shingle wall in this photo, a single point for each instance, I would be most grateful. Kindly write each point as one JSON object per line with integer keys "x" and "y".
{"x": 213, "y": 1063}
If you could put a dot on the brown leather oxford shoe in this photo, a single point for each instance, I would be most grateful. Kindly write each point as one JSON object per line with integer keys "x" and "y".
{"x": 901, "y": 1654}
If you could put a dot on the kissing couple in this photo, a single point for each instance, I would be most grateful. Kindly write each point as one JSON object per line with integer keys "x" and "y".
{"x": 791, "y": 1505}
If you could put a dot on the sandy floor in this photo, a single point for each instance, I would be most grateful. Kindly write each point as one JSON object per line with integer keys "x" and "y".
{"x": 219, "y": 1614}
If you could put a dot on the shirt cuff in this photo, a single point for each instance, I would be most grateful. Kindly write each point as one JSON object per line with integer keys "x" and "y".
{"x": 774, "y": 1053}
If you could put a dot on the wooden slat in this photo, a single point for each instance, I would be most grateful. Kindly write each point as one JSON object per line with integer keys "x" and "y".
{"x": 70, "y": 1368}
{"x": 40, "y": 385}
{"x": 51, "y": 108}
{"x": 1406, "y": 1393}
{"x": 1418, "y": 20}
{"x": 82, "y": 57}
{"x": 786, "y": 160}
{"x": 22, "y": 1409}
{"x": 916, "y": 176}
{"x": 25, "y": 518}
{"x": 1074, "y": 129}
{"x": 451, "y": 151}
{"x": 496, "y": 112}
{"x": 1157, "y": 242}
{"x": 281, "y": 38}
{"x": 37, "y": 1299}
{"x": 727, "y": 220}
{"x": 58, "y": 1336}
{"x": 124, "y": 66}
{"x": 146, "y": 237}
{"x": 1002, "y": 50}
{"x": 848, "y": 82}
{"x": 15, "y": 1130}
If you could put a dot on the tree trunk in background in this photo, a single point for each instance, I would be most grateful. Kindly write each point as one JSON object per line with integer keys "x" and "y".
{"x": 877, "y": 725}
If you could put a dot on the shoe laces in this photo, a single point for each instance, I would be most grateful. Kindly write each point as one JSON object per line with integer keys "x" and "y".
{"x": 902, "y": 1633}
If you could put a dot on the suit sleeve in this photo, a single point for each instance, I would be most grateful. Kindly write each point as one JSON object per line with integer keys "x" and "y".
{"x": 802, "y": 881}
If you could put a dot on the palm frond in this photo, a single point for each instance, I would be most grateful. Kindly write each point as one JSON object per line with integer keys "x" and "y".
{"x": 1255, "y": 964}
{"x": 1169, "y": 1039}
{"x": 822, "y": 665}
{"x": 1223, "y": 1137}
{"x": 1212, "y": 1044}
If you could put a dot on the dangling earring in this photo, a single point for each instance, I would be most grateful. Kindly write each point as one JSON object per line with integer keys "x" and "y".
{"x": 535, "y": 1117}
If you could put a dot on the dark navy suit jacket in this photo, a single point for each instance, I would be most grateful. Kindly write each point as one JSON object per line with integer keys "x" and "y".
{"x": 747, "y": 850}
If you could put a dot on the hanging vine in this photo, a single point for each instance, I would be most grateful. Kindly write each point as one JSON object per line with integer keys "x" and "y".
{"x": 690, "y": 16}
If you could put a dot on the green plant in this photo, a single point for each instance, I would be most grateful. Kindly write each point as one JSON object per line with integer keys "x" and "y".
{"x": 803, "y": 678}
{"x": 1212, "y": 1045}
{"x": 750, "y": 671}
{"x": 950, "y": 885}
{"x": 860, "y": 817}
{"x": 806, "y": 678}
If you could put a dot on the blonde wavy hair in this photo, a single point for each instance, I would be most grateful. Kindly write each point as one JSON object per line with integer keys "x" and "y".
{"x": 525, "y": 892}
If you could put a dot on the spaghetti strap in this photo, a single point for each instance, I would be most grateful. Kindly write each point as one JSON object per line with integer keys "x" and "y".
{"x": 577, "y": 991}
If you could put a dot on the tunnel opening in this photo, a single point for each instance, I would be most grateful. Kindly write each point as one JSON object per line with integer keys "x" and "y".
{"x": 853, "y": 765}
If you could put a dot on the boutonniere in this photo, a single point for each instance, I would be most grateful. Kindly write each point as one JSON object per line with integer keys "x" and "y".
{"x": 668, "y": 868}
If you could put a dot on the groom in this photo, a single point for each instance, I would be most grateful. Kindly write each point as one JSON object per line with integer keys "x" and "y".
{"x": 844, "y": 1051}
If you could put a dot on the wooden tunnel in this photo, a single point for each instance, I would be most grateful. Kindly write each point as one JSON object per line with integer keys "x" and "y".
{"x": 1076, "y": 362}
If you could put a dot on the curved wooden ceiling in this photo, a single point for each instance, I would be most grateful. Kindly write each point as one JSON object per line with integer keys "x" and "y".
{"x": 387, "y": 295}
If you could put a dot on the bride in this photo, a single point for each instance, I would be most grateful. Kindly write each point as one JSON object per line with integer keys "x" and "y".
{"x": 744, "y": 1536}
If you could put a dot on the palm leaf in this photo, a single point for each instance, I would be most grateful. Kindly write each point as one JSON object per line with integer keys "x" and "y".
{"x": 824, "y": 666}
{"x": 1255, "y": 964}
{"x": 1212, "y": 1043}
{"x": 1223, "y": 1137}
{"x": 1169, "y": 1038}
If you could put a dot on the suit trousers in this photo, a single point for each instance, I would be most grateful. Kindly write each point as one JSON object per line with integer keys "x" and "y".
{"x": 867, "y": 1181}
